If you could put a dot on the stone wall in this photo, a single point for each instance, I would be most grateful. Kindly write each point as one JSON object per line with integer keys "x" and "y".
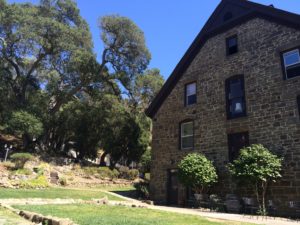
{"x": 272, "y": 113}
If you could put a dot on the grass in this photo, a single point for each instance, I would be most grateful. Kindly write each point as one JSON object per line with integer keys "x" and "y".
{"x": 52, "y": 193}
{"x": 9, "y": 218}
{"x": 118, "y": 215}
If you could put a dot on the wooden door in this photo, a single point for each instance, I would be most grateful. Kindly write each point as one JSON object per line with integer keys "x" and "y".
{"x": 172, "y": 187}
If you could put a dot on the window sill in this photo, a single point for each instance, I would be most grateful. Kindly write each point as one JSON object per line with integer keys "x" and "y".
{"x": 190, "y": 106}
{"x": 292, "y": 78}
{"x": 186, "y": 149}
{"x": 237, "y": 117}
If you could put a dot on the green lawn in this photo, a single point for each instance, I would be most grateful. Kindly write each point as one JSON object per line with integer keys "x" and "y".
{"x": 51, "y": 193}
{"x": 118, "y": 215}
{"x": 9, "y": 218}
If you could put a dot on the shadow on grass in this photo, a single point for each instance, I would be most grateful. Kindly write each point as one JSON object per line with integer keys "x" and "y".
{"x": 127, "y": 193}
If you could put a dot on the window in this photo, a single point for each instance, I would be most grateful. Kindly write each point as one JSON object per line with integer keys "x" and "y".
{"x": 298, "y": 101}
{"x": 232, "y": 45}
{"x": 187, "y": 135}
{"x": 190, "y": 94}
{"x": 235, "y": 97}
{"x": 235, "y": 143}
{"x": 291, "y": 62}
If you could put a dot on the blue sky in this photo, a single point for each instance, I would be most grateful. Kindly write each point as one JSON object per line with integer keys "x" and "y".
{"x": 169, "y": 26}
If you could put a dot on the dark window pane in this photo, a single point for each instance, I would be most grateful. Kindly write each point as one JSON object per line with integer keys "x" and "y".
{"x": 232, "y": 42}
{"x": 191, "y": 99}
{"x": 298, "y": 101}
{"x": 232, "y": 50}
{"x": 187, "y": 142}
{"x": 293, "y": 71}
{"x": 232, "y": 45}
{"x": 235, "y": 97}
{"x": 235, "y": 143}
{"x": 236, "y": 89}
{"x": 190, "y": 94}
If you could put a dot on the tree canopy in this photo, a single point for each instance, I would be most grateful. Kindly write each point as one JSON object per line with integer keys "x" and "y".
{"x": 197, "y": 172}
{"x": 53, "y": 88}
{"x": 257, "y": 166}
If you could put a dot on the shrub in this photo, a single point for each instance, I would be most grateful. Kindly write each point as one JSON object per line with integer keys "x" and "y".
{"x": 126, "y": 173}
{"x": 101, "y": 172}
{"x": 197, "y": 172}
{"x": 142, "y": 189}
{"x": 105, "y": 172}
{"x": 38, "y": 182}
{"x": 8, "y": 165}
{"x": 257, "y": 166}
{"x": 63, "y": 181}
{"x": 76, "y": 166}
{"x": 24, "y": 171}
{"x": 20, "y": 159}
{"x": 146, "y": 161}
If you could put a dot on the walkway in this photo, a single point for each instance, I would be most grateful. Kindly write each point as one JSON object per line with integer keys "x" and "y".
{"x": 216, "y": 215}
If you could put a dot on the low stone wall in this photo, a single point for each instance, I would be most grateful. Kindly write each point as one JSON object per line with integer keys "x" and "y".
{"x": 49, "y": 220}
{"x": 38, "y": 218}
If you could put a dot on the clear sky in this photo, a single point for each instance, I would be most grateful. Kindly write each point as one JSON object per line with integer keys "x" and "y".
{"x": 169, "y": 26}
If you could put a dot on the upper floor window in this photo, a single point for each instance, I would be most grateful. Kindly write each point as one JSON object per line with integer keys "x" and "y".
{"x": 236, "y": 142}
{"x": 235, "y": 97}
{"x": 298, "y": 102}
{"x": 190, "y": 94}
{"x": 291, "y": 61}
{"x": 232, "y": 45}
{"x": 187, "y": 135}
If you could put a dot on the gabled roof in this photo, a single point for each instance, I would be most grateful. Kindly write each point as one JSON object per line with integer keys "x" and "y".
{"x": 242, "y": 11}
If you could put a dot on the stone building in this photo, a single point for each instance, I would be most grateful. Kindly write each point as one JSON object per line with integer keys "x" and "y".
{"x": 237, "y": 84}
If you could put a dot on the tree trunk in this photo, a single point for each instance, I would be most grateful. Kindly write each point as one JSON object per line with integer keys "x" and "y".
{"x": 102, "y": 159}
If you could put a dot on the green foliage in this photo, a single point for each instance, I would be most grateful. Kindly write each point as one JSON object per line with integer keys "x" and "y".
{"x": 257, "y": 166}
{"x": 20, "y": 159}
{"x": 8, "y": 165}
{"x": 126, "y": 137}
{"x": 22, "y": 122}
{"x": 256, "y": 163}
{"x": 101, "y": 172}
{"x": 24, "y": 171}
{"x": 126, "y": 173}
{"x": 142, "y": 189}
{"x": 146, "y": 161}
{"x": 197, "y": 172}
{"x": 63, "y": 181}
{"x": 147, "y": 85}
{"x": 59, "y": 93}
{"x": 125, "y": 48}
{"x": 38, "y": 182}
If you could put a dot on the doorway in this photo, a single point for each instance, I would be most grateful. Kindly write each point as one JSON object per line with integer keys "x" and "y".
{"x": 172, "y": 190}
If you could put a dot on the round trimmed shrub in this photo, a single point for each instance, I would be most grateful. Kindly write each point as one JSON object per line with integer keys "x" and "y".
{"x": 197, "y": 172}
{"x": 20, "y": 159}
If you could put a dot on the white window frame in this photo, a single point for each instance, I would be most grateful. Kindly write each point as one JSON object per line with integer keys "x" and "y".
{"x": 186, "y": 93}
{"x": 184, "y": 136}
